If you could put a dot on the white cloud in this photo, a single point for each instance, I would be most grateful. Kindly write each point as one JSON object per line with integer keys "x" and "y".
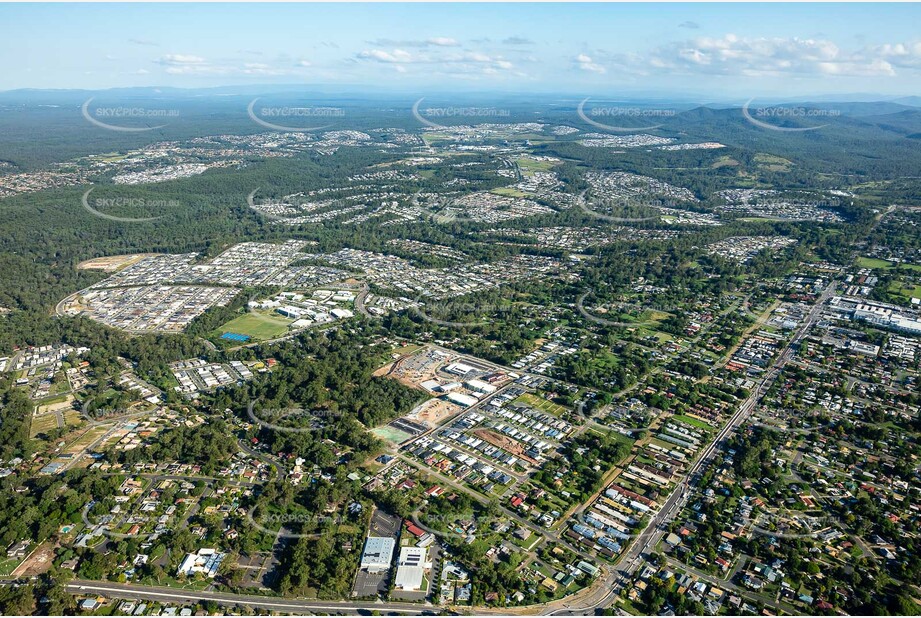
{"x": 477, "y": 57}
{"x": 397, "y": 55}
{"x": 904, "y": 55}
{"x": 762, "y": 56}
{"x": 435, "y": 41}
{"x": 439, "y": 61}
{"x": 180, "y": 60}
{"x": 584, "y": 62}
{"x": 442, "y": 41}
{"x": 733, "y": 55}
{"x": 184, "y": 64}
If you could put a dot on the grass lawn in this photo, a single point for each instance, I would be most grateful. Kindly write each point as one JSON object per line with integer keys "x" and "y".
{"x": 690, "y": 420}
{"x": 406, "y": 350}
{"x": 724, "y": 161}
{"x": 434, "y": 138}
{"x": 259, "y": 326}
{"x": 72, "y": 417}
{"x": 499, "y": 490}
{"x": 868, "y": 262}
{"x": 87, "y": 438}
{"x": 656, "y": 316}
{"x": 444, "y": 218}
{"x": 876, "y": 263}
{"x": 905, "y": 291}
{"x": 529, "y": 166}
{"x": 7, "y": 565}
{"x": 173, "y": 582}
{"x": 662, "y": 337}
{"x": 539, "y": 403}
{"x": 772, "y": 162}
{"x": 391, "y": 434}
{"x": 510, "y": 192}
{"x": 49, "y": 402}
{"x": 43, "y": 423}
{"x": 663, "y": 444}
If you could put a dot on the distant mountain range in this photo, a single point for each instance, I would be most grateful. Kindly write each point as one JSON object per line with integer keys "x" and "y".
{"x": 847, "y": 104}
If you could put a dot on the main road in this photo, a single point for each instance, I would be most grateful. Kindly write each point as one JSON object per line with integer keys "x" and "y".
{"x": 631, "y": 560}
{"x": 277, "y": 604}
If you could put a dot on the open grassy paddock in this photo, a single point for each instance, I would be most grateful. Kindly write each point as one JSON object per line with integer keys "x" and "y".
{"x": 256, "y": 325}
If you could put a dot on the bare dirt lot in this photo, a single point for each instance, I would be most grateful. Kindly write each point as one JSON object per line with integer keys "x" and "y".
{"x": 112, "y": 263}
{"x": 36, "y": 563}
{"x": 433, "y": 411}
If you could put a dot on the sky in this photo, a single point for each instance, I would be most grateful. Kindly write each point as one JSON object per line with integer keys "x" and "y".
{"x": 708, "y": 50}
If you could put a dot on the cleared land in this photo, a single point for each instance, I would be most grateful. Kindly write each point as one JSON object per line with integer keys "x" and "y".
{"x": 877, "y": 263}
{"x": 88, "y": 437}
{"x": 529, "y": 166}
{"x": 256, "y": 325}
{"x": 539, "y": 403}
{"x": 391, "y": 434}
{"x": 43, "y": 423}
{"x": 55, "y": 404}
{"x": 113, "y": 263}
{"x": 868, "y": 262}
{"x": 510, "y": 192}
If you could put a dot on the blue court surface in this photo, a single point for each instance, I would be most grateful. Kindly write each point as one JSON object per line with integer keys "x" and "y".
{"x": 235, "y": 337}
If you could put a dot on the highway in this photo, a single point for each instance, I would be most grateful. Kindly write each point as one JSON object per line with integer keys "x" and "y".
{"x": 278, "y": 604}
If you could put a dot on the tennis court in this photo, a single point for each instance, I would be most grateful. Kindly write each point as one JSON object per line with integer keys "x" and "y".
{"x": 235, "y": 337}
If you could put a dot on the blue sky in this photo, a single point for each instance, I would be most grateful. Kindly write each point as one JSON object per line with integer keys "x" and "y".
{"x": 654, "y": 49}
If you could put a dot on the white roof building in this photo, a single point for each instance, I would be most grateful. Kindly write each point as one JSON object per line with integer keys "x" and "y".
{"x": 204, "y": 561}
{"x": 378, "y": 554}
{"x": 480, "y": 386}
{"x": 430, "y": 385}
{"x": 461, "y": 399}
{"x": 459, "y": 369}
{"x": 411, "y": 568}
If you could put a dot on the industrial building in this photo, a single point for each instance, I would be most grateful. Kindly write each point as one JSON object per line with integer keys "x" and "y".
{"x": 411, "y": 568}
{"x": 378, "y": 554}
